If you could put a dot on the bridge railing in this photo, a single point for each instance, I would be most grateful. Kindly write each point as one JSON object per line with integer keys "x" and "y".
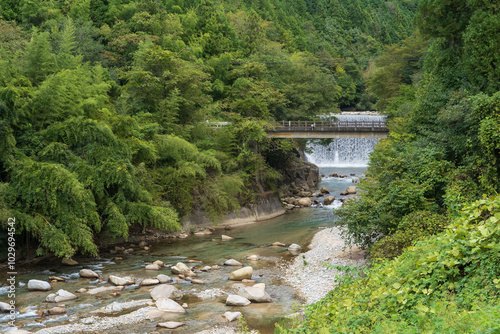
{"x": 277, "y": 126}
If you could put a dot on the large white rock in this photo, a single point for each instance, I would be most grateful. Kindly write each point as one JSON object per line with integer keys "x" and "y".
{"x": 260, "y": 286}
{"x": 149, "y": 281}
{"x": 305, "y": 201}
{"x": 226, "y": 237}
{"x": 120, "y": 281}
{"x": 152, "y": 266}
{"x": 60, "y": 296}
{"x": 328, "y": 200}
{"x": 231, "y": 316}
{"x": 37, "y": 285}
{"x": 105, "y": 289}
{"x": 164, "y": 279}
{"x": 294, "y": 249}
{"x": 87, "y": 273}
{"x": 253, "y": 258}
{"x": 351, "y": 190}
{"x": 159, "y": 263}
{"x": 165, "y": 291}
{"x": 170, "y": 324}
{"x": 168, "y": 305}
{"x": 235, "y": 300}
{"x": 232, "y": 262}
{"x": 255, "y": 294}
{"x": 181, "y": 268}
{"x": 241, "y": 274}
{"x": 5, "y": 307}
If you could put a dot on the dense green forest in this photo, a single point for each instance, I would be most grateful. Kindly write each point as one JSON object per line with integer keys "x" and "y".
{"x": 429, "y": 212}
{"x": 106, "y": 105}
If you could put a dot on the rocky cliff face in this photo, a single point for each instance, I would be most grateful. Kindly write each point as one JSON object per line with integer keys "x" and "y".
{"x": 300, "y": 176}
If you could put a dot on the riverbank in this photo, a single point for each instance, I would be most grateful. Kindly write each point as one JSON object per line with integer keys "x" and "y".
{"x": 307, "y": 273}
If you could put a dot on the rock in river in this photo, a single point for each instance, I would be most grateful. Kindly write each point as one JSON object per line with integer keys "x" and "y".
{"x": 255, "y": 294}
{"x": 305, "y": 201}
{"x": 170, "y": 324}
{"x": 164, "y": 279}
{"x": 240, "y": 274}
{"x": 226, "y": 237}
{"x": 152, "y": 266}
{"x": 87, "y": 273}
{"x": 166, "y": 291}
{"x": 351, "y": 190}
{"x": 231, "y": 316}
{"x": 120, "y": 281}
{"x": 149, "y": 281}
{"x": 182, "y": 269}
{"x": 105, "y": 289}
{"x": 37, "y": 285}
{"x": 5, "y": 307}
{"x": 235, "y": 300}
{"x": 69, "y": 262}
{"x": 328, "y": 200}
{"x": 168, "y": 305}
{"x": 60, "y": 296}
{"x": 253, "y": 258}
{"x": 294, "y": 249}
{"x": 232, "y": 262}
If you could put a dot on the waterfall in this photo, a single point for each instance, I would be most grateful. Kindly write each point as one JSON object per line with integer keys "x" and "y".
{"x": 343, "y": 152}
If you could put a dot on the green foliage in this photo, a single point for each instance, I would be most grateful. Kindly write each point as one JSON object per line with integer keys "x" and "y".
{"x": 447, "y": 282}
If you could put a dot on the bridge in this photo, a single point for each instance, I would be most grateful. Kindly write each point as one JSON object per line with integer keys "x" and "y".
{"x": 327, "y": 129}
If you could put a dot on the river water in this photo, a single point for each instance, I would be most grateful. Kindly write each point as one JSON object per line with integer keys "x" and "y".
{"x": 297, "y": 226}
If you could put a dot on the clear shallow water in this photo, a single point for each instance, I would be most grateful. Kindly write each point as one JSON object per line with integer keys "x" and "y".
{"x": 297, "y": 226}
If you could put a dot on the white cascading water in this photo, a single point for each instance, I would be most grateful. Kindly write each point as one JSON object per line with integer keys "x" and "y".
{"x": 343, "y": 152}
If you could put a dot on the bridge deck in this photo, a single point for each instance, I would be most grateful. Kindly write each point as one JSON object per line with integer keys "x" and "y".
{"x": 327, "y": 129}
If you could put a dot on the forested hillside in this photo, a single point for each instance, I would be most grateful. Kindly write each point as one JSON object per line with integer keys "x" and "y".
{"x": 430, "y": 200}
{"x": 105, "y": 105}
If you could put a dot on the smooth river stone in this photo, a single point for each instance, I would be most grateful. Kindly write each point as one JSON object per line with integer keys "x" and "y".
{"x": 168, "y": 305}
{"x": 165, "y": 291}
{"x": 149, "y": 281}
{"x": 60, "y": 296}
{"x": 226, "y": 237}
{"x": 231, "y": 316}
{"x": 37, "y": 285}
{"x": 232, "y": 262}
{"x": 294, "y": 249}
{"x": 120, "y": 281}
{"x": 255, "y": 294}
{"x": 152, "y": 266}
{"x": 105, "y": 289}
{"x": 241, "y": 274}
{"x": 235, "y": 300}
{"x": 87, "y": 273}
{"x": 170, "y": 324}
{"x": 164, "y": 278}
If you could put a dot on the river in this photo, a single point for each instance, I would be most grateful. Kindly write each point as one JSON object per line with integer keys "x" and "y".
{"x": 297, "y": 226}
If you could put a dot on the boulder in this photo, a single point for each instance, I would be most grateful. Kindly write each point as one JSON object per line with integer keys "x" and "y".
{"x": 253, "y": 258}
{"x": 240, "y": 274}
{"x": 149, "y": 281}
{"x": 328, "y": 200}
{"x": 69, "y": 262}
{"x": 304, "y": 194}
{"x": 305, "y": 201}
{"x": 105, "y": 289}
{"x": 168, "y": 305}
{"x": 57, "y": 311}
{"x": 351, "y": 190}
{"x": 197, "y": 281}
{"x": 226, "y": 237}
{"x": 120, "y": 281}
{"x": 232, "y": 262}
{"x": 343, "y": 193}
{"x": 255, "y": 294}
{"x": 235, "y": 300}
{"x": 289, "y": 207}
{"x": 182, "y": 269}
{"x": 143, "y": 244}
{"x": 170, "y": 324}
{"x": 183, "y": 236}
{"x": 324, "y": 191}
{"x": 87, "y": 273}
{"x": 206, "y": 268}
{"x": 199, "y": 234}
{"x": 260, "y": 286}
{"x": 166, "y": 291}
{"x": 159, "y": 263}
{"x": 37, "y": 285}
{"x": 5, "y": 307}
{"x": 60, "y": 296}
{"x": 152, "y": 267}
{"x": 248, "y": 280}
{"x": 164, "y": 279}
{"x": 294, "y": 249}
{"x": 280, "y": 244}
{"x": 231, "y": 316}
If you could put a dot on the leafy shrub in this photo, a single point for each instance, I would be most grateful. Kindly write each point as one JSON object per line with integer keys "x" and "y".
{"x": 412, "y": 228}
{"x": 445, "y": 283}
